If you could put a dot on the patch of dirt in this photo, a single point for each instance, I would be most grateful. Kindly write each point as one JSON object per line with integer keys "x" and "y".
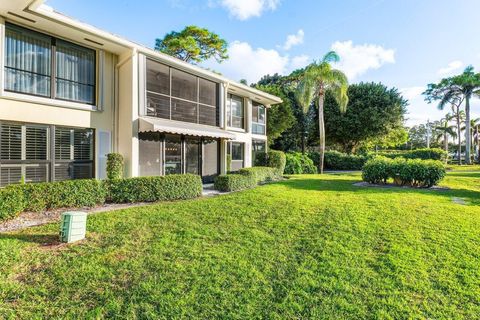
{"x": 31, "y": 219}
{"x": 391, "y": 185}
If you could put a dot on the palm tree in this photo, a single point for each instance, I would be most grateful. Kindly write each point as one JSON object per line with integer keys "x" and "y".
{"x": 468, "y": 85}
{"x": 473, "y": 124}
{"x": 316, "y": 80}
{"x": 445, "y": 130}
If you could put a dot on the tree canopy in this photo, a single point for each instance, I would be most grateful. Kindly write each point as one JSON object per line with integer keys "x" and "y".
{"x": 373, "y": 112}
{"x": 193, "y": 44}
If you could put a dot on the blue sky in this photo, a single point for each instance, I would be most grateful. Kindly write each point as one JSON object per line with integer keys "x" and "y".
{"x": 405, "y": 44}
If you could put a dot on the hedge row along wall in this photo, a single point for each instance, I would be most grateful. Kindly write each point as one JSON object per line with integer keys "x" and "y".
{"x": 404, "y": 172}
{"x": 89, "y": 193}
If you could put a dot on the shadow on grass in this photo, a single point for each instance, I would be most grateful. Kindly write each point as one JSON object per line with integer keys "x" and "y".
{"x": 41, "y": 239}
{"x": 346, "y": 185}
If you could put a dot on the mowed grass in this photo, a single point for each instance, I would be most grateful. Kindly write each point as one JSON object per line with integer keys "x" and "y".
{"x": 309, "y": 247}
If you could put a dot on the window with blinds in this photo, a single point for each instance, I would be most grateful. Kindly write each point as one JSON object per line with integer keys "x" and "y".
{"x": 26, "y": 153}
{"x": 177, "y": 95}
{"x": 73, "y": 153}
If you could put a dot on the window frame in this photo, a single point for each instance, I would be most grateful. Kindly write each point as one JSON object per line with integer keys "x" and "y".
{"x": 230, "y": 152}
{"x": 256, "y": 121}
{"x": 53, "y": 67}
{"x": 229, "y": 113}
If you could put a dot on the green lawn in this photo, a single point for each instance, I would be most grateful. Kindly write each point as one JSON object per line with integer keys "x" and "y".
{"x": 456, "y": 167}
{"x": 309, "y": 247}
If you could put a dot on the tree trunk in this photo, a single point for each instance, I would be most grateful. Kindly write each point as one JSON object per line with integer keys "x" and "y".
{"x": 445, "y": 141}
{"x": 468, "y": 142}
{"x": 321, "y": 130}
{"x": 459, "y": 134}
{"x": 478, "y": 143}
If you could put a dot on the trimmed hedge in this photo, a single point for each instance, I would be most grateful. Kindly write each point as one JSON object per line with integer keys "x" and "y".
{"x": 404, "y": 172}
{"x": 37, "y": 197}
{"x": 12, "y": 202}
{"x": 151, "y": 189}
{"x": 234, "y": 182}
{"x": 423, "y": 154}
{"x": 246, "y": 178}
{"x": 376, "y": 170}
{"x": 46, "y": 196}
{"x": 335, "y": 160}
{"x": 261, "y": 174}
{"x": 274, "y": 159}
{"x": 298, "y": 163}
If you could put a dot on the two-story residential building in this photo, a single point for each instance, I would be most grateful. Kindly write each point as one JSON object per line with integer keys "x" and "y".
{"x": 71, "y": 93}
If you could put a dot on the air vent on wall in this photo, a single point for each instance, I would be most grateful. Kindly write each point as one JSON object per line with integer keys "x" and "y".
{"x": 21, "y": 17}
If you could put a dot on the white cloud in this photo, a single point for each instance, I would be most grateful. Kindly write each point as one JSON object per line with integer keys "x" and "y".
{"x": 294, "y": 40}
{"x": 452, "y": 67}
{"x": 246, "y": 62}
{"x": 355, "y": 60}
{"x": 246, "y": 9}
{"x": 412, "y": 93}
{"x": 299, "y": 62}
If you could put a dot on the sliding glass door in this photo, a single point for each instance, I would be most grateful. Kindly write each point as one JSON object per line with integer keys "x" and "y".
{"x": 192, "y": 155}
{"x": 173, "y": 154}
{"x": 161, "y": 154}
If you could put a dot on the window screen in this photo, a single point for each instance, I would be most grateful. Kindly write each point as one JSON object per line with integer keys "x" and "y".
{"x": 177, "y": 95}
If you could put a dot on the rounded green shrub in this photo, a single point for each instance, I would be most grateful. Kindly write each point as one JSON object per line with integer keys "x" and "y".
{"x": 404, "y": 172}
{"x": 298, "y": 163}
{"x": 376, "y": 170}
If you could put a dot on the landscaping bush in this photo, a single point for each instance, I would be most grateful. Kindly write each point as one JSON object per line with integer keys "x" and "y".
{"x": 335, "y": 160}
{"x": 63, "y": 194}
{"x": 151, "y": 189}
{"x": 276, "y": 159}
{"x": 376, "y": 170}
{"x": 12, "y": 202}
{"x": 50, "y": 195}
{"x": 411, "y": 172}
{"x": 234, "y": 182}
{"x": 298, "y": 163}
{"x": 423, "y": 154}
{"x": 114, "y": 166}
{"x": 261, "y": 174}
{"x": 246, "y": 178}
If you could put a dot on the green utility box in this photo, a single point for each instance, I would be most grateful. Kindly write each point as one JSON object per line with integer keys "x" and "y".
{"x": 73, "y": 226}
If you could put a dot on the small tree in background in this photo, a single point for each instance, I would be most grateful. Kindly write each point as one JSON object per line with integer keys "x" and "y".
{"x": 193, "y": 44}
{"x": 114, "y": 166}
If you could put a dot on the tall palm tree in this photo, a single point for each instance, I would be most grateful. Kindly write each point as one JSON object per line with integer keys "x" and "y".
{"x": 316, "y": 80}
{"x": 468, "y": 85}
{"x": 445, "y": 130}
{"x": 473, "y": 124}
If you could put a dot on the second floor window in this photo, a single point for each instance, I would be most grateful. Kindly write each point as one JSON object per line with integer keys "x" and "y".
{"x": 177, "y": 95}
{"x": 258, "y": 119}
{"x": 235, "y": 112}
{"x": 40, "y": 65}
